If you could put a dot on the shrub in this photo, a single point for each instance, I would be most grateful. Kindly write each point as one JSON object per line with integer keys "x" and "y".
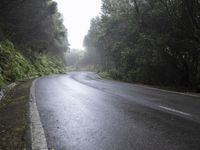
{"x": 15, "y": 66}
{"x": 115, "y": 74}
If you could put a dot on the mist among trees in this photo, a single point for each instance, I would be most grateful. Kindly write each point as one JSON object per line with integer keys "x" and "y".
{"x": 33, "y": 39}
{"x": 147, "y": 41}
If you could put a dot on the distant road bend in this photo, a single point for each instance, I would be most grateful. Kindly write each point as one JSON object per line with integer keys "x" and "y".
{"x": 80, "y": 111}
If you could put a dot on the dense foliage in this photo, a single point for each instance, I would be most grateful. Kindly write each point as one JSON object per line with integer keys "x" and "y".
{"x": 14, "y": 66}
{"x": 33, "y": 39}
{"x": 148, "y": 41}
{"x": 33, "y": 24}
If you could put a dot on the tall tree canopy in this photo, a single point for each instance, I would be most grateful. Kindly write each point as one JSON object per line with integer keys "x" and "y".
{"x": 150, "y": 41}
{"x": 34, "y": 24}
{"x": 33, "y": 39}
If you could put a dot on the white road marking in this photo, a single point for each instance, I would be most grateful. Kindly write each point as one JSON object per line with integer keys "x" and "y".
{"x": 173, "y": 92}
{"x": 176, "y": 111}
{"x": 38, "y": 139}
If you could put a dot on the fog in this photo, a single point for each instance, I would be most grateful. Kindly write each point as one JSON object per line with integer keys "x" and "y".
{"x": 77, "y": 16}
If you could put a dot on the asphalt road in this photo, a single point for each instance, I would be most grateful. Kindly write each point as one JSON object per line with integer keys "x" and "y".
{"x": 80, "y": 111}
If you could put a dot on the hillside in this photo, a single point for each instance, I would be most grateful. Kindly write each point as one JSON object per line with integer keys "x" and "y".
{"x": 33, "y": 40}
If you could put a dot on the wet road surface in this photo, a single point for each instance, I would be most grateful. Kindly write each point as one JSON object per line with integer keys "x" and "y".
{"x": 80, "y": 111}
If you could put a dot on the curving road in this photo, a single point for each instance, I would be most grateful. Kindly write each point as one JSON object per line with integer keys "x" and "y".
{"x": 80, "y": 111}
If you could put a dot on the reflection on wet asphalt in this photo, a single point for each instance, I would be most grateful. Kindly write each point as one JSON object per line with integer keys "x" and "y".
{"x": 80, "y": 111}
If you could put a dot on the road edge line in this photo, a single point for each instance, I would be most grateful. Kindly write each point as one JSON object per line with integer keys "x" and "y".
{"x": 155, "y": 88}
{"x": 168, "y": 91}
{"x": 38, "y": 139}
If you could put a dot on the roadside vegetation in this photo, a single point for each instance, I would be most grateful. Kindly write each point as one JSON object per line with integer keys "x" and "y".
{"x": 33, "y": 40}
{"x": 154, "y": 42}
{"x": 14, "y": 66}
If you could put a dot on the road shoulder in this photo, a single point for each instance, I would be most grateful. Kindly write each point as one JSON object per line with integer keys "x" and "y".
{"x": 14, "y": 117}
{"x": 106, "y": 76}
{"x": 38, "y": 139}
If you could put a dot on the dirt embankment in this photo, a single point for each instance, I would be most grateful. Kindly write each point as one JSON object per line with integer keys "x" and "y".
{"x": 14, "y": 119}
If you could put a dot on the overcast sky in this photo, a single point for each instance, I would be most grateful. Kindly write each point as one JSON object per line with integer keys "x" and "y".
{"x": 77, "y": 15}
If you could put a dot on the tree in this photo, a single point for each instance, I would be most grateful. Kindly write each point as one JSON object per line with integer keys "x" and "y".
{"x": 154, "y": 41}
{"x": 34, "y": 24}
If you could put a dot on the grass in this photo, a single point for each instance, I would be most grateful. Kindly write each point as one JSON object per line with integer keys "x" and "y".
{"x": 14, "y": 118}
{"x": 14, "y": 65}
